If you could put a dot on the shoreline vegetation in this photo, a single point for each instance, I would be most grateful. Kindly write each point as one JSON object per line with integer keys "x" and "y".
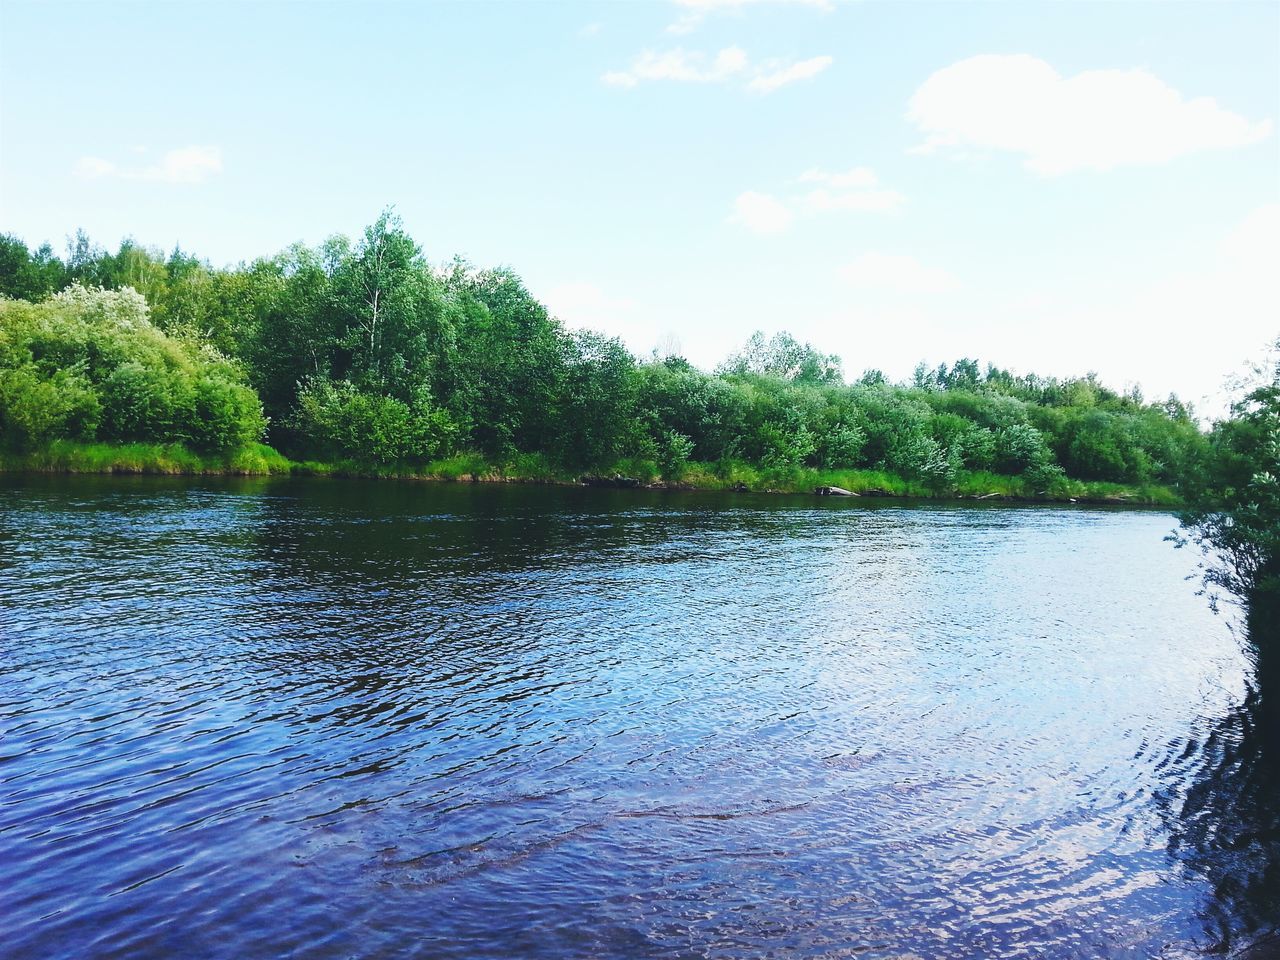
{"x": 363, "y": 358}
{"x": 259, "y": 460}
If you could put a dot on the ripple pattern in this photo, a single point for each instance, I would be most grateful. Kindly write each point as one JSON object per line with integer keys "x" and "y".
{"x": 335, "y": 719}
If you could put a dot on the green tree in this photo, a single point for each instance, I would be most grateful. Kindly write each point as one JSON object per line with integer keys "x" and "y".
{"x": 783, "y": 357}
{"x": 25, "y": 275}
{"x": 1235, "y": 509}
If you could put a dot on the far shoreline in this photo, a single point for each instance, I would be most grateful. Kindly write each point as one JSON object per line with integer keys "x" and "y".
{"x": 259, "y": 460}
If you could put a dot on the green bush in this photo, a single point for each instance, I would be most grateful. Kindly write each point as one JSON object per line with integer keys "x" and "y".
{"x": 88, "y": 364}
{"x": 1044, "y": 476}
{"x": 643, "y": 469}
{"x": 338, "y": 419}
{"x": 1019, "y": 446}
{"x": 35, "y": 409}
{"x": 673, "y": 453}
{"x": 227, "y": 415}
{"x": 841, "y": 445}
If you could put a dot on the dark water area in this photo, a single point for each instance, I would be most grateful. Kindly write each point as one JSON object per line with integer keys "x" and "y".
{"x": 344, "y": 719}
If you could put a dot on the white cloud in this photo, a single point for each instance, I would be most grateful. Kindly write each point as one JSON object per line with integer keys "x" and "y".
{"x": 695, "y": 11}
{"x": 731, "y": 63}
{"x": 761, "y": 213}
{"x": 681, "y": 66}
{"x": 585, "y": 304}
{"x": 91, "y": 168}
{"x": 188, "y": 165}
{"x": 193, "y": 164}
{"x": 774, "y": 77}
{"x": 589, "y": 30}
{"x": 1095, "y": 120}
{"x": 896, "y": 272}
{"x": 860, "y": 201}
{"x": 857, "y": 190}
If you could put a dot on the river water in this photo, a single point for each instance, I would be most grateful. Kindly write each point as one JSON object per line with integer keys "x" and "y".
{"x": 348, "y": 719}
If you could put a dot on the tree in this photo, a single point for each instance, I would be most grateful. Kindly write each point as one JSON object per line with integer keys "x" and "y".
{"x": 29, "y": 276}
{"x": 385, "y": 293}
{"x": 1235, "y": 510}
{"x": 508, "y": 376}
{"x": 783, "y": 357}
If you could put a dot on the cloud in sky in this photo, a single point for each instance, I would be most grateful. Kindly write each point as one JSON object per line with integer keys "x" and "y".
{"x": 695, "y": 11}
{"x": 681, "y": 66}
{"x": 897, "y": 272}
{"x": 856, "y": 178}
{"x": 91, "y": 168}
{"x": 761, "y": 213}
{"x": 858, "y": 190}
{"x": 1095, "y": 120}
{"x": 730, "y": 64}
{"x": 193, "y": 164}
{"x": 773, "y": 77}
{"x": 582, "y": 304}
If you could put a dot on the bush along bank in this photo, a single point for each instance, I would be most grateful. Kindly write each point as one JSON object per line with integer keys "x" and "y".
{"x": 361, "y": 357}
{"x": 260, "y": 460}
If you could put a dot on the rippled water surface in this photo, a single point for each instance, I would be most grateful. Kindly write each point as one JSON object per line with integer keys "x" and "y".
{"x": 334, "y": 719}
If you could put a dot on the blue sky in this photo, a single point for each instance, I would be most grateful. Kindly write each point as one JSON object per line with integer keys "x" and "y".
{"x": 1051, "y": 187}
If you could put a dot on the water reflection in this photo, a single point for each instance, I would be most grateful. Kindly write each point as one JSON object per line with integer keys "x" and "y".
{"x": 346, "y": 719}
{"x": 1222, "y": 804}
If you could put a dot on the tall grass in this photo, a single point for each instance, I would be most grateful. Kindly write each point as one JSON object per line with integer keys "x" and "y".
{"x": 69, "y": 456}
{"x": 65, "y": 456}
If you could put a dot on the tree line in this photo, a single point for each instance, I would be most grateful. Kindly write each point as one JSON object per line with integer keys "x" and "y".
{"x": 366, "y": 351}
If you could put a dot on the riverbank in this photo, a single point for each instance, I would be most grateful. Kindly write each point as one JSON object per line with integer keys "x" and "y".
{"x": 67, "y": 456}
{"x": 261, "y": 460}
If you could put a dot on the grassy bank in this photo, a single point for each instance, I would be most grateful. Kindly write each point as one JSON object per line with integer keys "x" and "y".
{"x": 969, "y": 484}
{"x": 67, "y": 456}
{"x": 260, "y": 460}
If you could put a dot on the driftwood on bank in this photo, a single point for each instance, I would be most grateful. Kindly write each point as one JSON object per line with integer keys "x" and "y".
{"x": 834, "y": 492}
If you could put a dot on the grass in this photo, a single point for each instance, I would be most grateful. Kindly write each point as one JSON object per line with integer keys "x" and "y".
{"x": 64, "y": 456}
{"x": 67, "y": 456}
{"x": 1098, "y": 491}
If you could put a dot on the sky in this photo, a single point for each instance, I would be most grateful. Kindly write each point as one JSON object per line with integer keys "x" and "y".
{"x": 1053, "y": 188}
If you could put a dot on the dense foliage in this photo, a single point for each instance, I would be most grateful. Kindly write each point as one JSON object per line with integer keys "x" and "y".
{"x": 364, "y": 351}
{"x": 1235, "y": 513}
{"x": 88, "y": 365}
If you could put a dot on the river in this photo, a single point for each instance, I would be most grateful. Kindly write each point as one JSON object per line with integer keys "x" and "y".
{"x": 252, "y": 718}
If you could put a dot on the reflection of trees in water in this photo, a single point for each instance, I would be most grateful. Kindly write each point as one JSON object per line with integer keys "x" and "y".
{"x": 1224, "y": 808}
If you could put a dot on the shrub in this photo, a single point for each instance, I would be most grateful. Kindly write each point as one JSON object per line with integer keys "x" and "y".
{"x": 227, "y": 415}
{"x": 841, "y": 445}
{"x": 674, "y": 450}
{"x": 1019, "y": 446}
{"x": 89, "y": 364}
{"x": 1044, "y": 476}
{"x": 34, "y": 410}
{"x": 340, "y": 420}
